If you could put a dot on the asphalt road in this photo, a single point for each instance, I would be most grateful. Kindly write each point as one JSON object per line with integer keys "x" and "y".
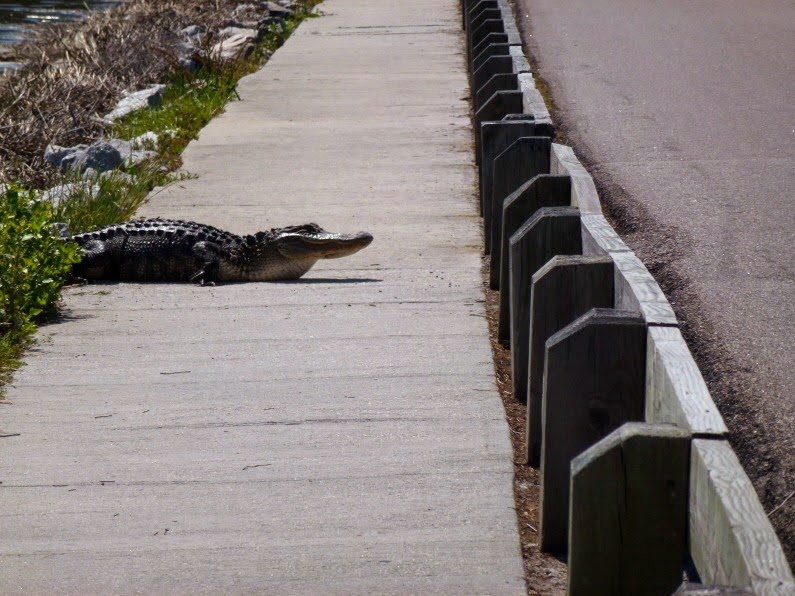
{"x": 684, "y": 112}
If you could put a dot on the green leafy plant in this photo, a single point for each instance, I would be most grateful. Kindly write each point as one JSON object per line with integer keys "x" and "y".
{"x": 34, "y": 262}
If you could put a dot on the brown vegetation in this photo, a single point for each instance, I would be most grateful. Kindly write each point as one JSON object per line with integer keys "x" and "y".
{"x": 74, "y": 73}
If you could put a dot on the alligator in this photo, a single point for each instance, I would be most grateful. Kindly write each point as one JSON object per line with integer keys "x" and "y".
{"x": 173, "y": 250}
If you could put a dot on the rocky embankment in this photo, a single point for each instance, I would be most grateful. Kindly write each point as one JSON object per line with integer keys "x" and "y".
{"x": 59, "y": 110}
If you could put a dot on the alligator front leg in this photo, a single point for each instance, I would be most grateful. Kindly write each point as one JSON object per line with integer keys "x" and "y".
{"x": 207, "y": 254}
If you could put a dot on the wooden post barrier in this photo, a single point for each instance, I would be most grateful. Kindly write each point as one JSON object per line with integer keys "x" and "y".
{"x": 583, "y": 189}
{"x": 494, "y": 49}
{"x": 523, "y": 160}
{"x": 520, "y": 207}
{"x": 492, "y": 66}
{"x": 473, "y": 9}
{"x": 495, "y": 137}
{"x": 562, "y": 290}
{"x": 675, "y": 390}
{"x": 551, "y": 231}
{"x": 487, "y": 41}
{"x": 628, "y": 514}
{"x": 499, "y": 105}
{"x": 477, "y": 19}
{"x": 499, "y": 82}
{"x": 543, "y": 190}
{"x": 482, "y": 28}
{"x": 594, "y": 379}
{"x": 533, "y": 100}
{"x": 599, "y": 237}
{"x": 637, "y": 290}
{"x": 731, "y": 540}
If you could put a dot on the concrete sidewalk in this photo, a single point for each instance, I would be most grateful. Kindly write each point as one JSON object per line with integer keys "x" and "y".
{"x": 337, "y": 435}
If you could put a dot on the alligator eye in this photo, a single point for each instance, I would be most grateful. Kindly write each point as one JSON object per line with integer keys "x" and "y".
{"x": 261, "y": 235}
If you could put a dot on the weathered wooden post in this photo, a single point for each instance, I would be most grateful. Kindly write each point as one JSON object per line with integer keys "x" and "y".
{"x": 489, "y": 12}
{"x": 628, "y": 515}
{"x": 519, "y": 162}
{"x": 499, "y": 82}
{"x": 487, "y": 41}
{"x": 475, "y": 8}
{"x": 493, "y": 49}
{"x": 541, "y": 191}
{"x": 495, "y": 137}
{"x": 496, "y": 107}
{"x": 594, "y": 379}
{"x": 492, "y": 66}
{"x": 551, "y": 231}
{"x": 563, "y": 289}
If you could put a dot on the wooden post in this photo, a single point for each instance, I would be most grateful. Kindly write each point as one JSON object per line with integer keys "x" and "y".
{"x": 473, "y": 9}
{"x": 494, "y": 49}
{"x": 477, "y": 19}
{"x": 504, "y": 324}
{"x": 496, "y": 107}
{"x": 551, "y": 231}
{"x": 499, "y": 82}
{"x": 495, "y": 137}
{"x": 481, "y": 28}
{"x": 593, "y": 383}
{"x": 628, "y": 515}
{"x": 492, "y": 66}
{"x": 542, "y": 191}
{"x": 521, "y": 161}
{"x": 487, "y": 41}
{"x": 563, "y": 289}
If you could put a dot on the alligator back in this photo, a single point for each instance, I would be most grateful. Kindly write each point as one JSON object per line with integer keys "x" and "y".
{"x": 157, "y": 250}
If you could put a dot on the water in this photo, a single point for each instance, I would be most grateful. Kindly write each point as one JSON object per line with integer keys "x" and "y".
{"x": 16, "y": 18}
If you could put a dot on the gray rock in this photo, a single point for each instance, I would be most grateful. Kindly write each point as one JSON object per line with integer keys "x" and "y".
{"x": 55, "y": 154}
{"x": 130, "y": 156}
{"x": 249, "y": 34}
{"x": 277, "y": 10}
{"x": 148, "y": 140}
{"x": 100, "y": 156}
{"x": 192, "y": 31}
{"x": 63, "y": 192}
{"x": 132, "y": 102}
{"x": 232, "y": 47}
{"x": 189, "y": 65}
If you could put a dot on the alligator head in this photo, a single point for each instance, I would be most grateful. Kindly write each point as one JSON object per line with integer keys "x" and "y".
{"x": 288, "y": 253}
{"x": 310, "y": 241}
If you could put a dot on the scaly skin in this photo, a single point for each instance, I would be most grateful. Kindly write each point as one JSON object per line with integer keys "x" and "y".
{"x": 173, "y": 250}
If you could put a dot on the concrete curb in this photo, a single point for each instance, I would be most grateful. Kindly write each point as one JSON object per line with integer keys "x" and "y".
{"x": 730, "y": 539}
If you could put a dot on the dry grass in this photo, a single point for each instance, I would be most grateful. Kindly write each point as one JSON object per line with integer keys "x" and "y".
{"x": 76, "y": 72}
{"x": 545, "y": 574}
